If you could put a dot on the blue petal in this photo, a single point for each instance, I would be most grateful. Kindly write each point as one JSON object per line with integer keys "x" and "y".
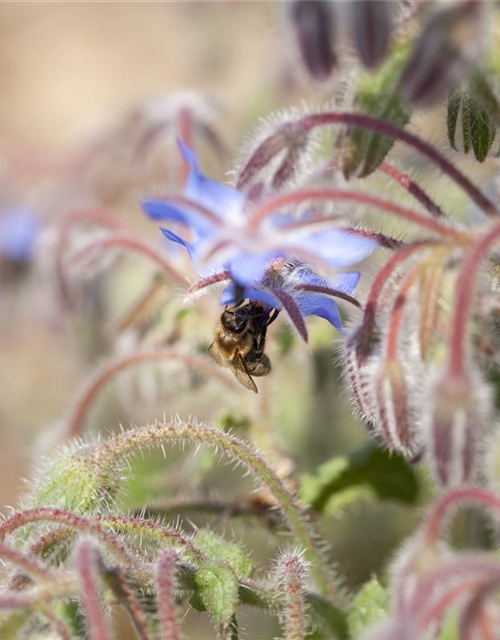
{"x": 338, "y": 247}
{"x": 226, "y": 201}
{"x": 19, "y": 229}
{"x": 229, "y": 296}
{"x": 190, "y": 246}
{"x": 167, "y": 210}
{"x": 247, "y": 268}
{"x": 317, "y": 304}
{"x": 345, "y": 282}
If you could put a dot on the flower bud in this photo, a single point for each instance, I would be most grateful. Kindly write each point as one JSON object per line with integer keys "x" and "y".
{"x": 454, "y": 424}
{"x": 275, "y": 158}
{"x": 443, "y": 53}
{"x": 360, "y": 357}
{"x": 370, "y": 24}
{"x": 392, "y": 409}
{"x": 313, "y": 24}
{"x": 376, "y": 95}
{"x": 477, "y": 129}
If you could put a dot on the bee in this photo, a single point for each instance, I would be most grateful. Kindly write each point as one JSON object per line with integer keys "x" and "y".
{"x": 240, "y": 340}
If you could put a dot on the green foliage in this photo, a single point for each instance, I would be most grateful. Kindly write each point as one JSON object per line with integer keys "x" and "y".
{"x": 365, "y": 474}
{"x": 369, "y": 606}
{"x": 478, "y": 130}
{"x": 376, "y": 95}
{"x": 218, "y": 590}
{"x": 77, "y": 483}
{"x": 218, "y": 549}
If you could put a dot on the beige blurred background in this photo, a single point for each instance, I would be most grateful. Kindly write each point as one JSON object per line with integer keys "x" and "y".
{"x": 68, "y": 70}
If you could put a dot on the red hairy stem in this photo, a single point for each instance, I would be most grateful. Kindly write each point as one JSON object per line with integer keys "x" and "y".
{"x": 328, "y": 291}
{"x": 166, "y": 595}
{"x": 123, "y": 591}
{"x": 397, "y": 314}
{"x": 29, "y": 565}
{"x": 138, "y": 525}
{"x": 132, "y": 243}
{"x": 384, "y": 241}
{"x": 98, "y": 217}
{"x": 464, "y": 299}
{"x": 450, "y": 500}
{"x": 76, "y": 419}
{"x": 478, "y": 569}
{"x": 438, "y": 609}
{"x": 350, "y": 195}
{"x": 72, "y": 520}
{"x": 386, "y": 128}
{"x": 383, "y": 276}
{"x": 475, "y": 616}
{"x": 86, "y": 561}
{"x": 220, "y": 276}
{"x": 413, "y": 188}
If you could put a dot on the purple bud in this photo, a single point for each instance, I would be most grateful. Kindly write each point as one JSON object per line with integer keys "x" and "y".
{"x": 443, "y": 54}
{"x": 360, "y": 357}
{"x": 275, "y": 159}
{"x": 313, "y": 25}
{"x": 391, "y": 397}
{"x": 370, "y": 24}
{"x": 454, "y": 426}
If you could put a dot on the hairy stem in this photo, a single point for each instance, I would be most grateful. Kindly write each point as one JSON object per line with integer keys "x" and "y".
{"x": 110, "y": 369}
{"x": 464, "y": 299}
{"x": 165, "y": 578}
{"x": 116, "y": 450}
{"x": 350, "y": 195}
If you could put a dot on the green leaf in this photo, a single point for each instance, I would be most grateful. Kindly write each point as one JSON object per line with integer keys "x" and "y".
{"x": 222, "y": 551}
{"x": 368, "y": 473}
{"x": 368, "y": 607}
{"x": 376, "y": 95}
{"x": 454, "y": 102}
{"x": 330, "y": 620}
{"x": 483, "y": 89}
{"x": 218, "y": 590}
{"x": 477, "y": 128}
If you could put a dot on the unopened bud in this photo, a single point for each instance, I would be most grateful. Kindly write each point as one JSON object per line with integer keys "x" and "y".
{"x": 443, "y": 54}
{"x": 360, "y": 358}
{"x": 454, "y": 425}
{"x": 313, "y": 25}
{"x": 370, "y": 24}
{"x": 376, "y": 95}
{"x": 392, "y": 409}
{"x": 276, "y": 158}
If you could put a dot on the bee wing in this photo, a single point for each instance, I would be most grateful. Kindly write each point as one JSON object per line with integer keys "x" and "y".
{"x": 222, "y": 362}
{"x": 240, "y": 371}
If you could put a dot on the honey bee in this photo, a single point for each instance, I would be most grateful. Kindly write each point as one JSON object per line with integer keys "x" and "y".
{"x": 240, "y": 340}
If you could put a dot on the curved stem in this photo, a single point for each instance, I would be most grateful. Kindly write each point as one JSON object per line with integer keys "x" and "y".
{"x": 464, "y": 298}
{"x": 328, "y": 291}
{"x": 360, "y": 197}
{"x": 397, "y": 314}
{"x": 110, "y": 369}
{"x": 72, "y": 520}
{"x": 24, "y": 562}
{"x": 118, "y": 449}
{"x": 413, "y": 188}
{"x": 449, "y": 500}
{"x": 383, "y": 276}
{"x": 132, "y": 243}
{"x": 386, "y": 128}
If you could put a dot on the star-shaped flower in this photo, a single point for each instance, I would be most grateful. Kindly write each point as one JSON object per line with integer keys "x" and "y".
{"x": 258, "y": 259}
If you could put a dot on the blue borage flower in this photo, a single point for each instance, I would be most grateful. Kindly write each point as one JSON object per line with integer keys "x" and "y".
{"x": 222, "y": 240}
{"x": 19, "y": 229}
